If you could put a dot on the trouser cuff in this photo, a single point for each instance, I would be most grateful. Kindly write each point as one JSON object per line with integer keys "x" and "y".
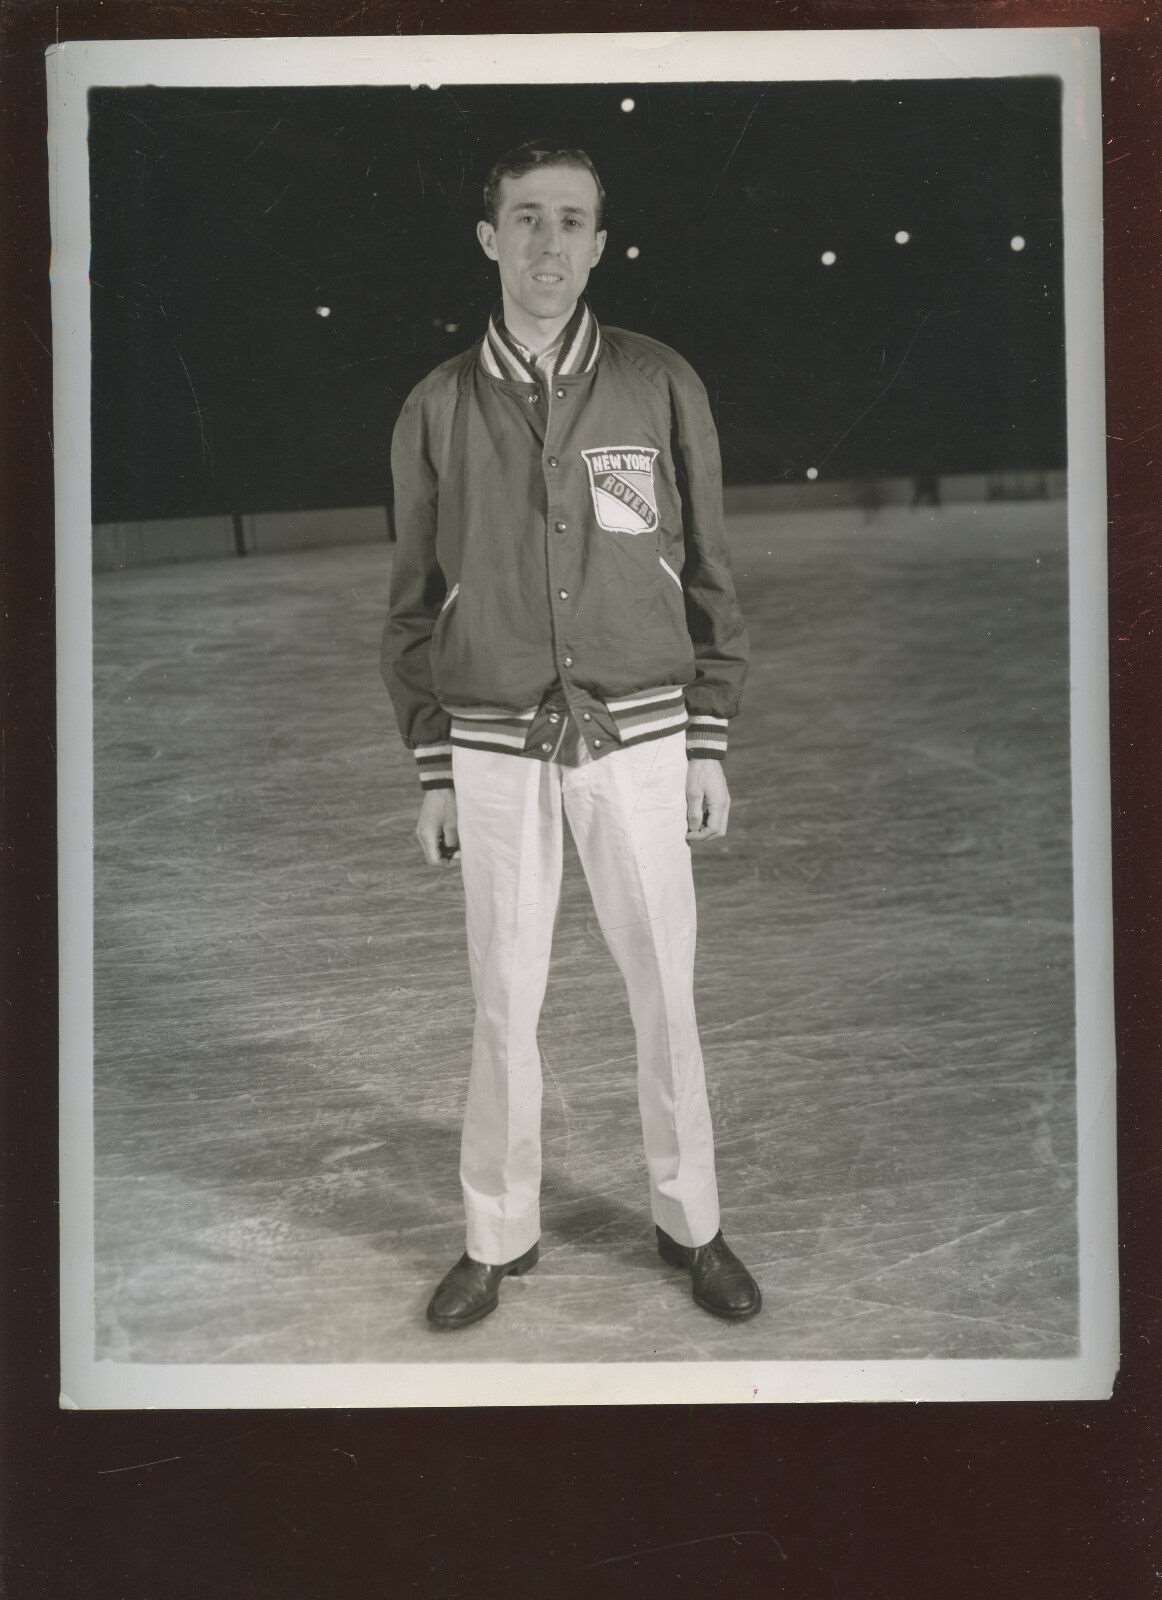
{"x": 496, "y": 1240}
{"x": 690, "y": 1222}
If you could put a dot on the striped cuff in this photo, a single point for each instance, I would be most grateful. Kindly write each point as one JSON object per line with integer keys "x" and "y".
{"x": 434, "y": 762}
{"x": 706, "y": 738}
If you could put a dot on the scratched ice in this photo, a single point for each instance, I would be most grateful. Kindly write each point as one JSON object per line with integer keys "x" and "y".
{"x": 885, "y": 975}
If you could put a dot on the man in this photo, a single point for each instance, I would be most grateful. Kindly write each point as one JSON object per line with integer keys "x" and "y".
{"x": 563, "y": 642}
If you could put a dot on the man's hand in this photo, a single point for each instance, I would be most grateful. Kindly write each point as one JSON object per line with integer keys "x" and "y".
{"x": 707, "y": 800}
{"x": 436, "y": 829}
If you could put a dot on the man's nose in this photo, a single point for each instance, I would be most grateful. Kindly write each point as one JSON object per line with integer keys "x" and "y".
{"x": 551, "y": 235}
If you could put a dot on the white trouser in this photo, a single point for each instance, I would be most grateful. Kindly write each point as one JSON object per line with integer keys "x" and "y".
{"x": 627, "y": 814}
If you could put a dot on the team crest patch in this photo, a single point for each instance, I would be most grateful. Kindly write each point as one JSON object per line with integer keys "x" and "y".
{"x": 621, "y": 481}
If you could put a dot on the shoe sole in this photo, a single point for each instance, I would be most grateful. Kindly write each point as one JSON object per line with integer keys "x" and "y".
{"x": 450, "y": 1324}
{"x": 730, "y": 1316}
{"x": 516, "y": 1269}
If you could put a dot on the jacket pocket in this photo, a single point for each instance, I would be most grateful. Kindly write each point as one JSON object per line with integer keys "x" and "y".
{"x": 443, "y": 627}
{"x": 668, "y": 569}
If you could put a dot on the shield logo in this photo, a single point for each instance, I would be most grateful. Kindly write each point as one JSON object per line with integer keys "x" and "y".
{"x": 621, "y": 482}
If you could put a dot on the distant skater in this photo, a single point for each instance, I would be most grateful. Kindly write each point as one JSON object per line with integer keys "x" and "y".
{"x": 564, "y": 643}
{"x": 869, "y": 497}
{"x": 925, "y": 490}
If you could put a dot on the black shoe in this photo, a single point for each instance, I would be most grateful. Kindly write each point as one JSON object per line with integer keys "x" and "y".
{"x": 472, "y": 1289}
{"x": 722, "y": 1285}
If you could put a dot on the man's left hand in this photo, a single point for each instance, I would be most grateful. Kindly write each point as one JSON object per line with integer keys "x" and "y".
{"x": 707, "y": 800}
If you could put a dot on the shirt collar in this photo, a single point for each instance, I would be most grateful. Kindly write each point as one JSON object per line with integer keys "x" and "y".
{"x": 544, "y": 360}
{"x": 577, "y": 348}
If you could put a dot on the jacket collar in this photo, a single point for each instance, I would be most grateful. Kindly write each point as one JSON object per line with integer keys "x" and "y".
{"x": 580, "y": 344}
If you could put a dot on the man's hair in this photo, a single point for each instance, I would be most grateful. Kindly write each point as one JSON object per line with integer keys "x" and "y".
{"x": 526, "y": 158}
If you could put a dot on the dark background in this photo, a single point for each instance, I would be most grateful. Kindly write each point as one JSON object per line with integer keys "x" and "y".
{"x": 223, "y": 218}
{"x": 813, "y": 1503}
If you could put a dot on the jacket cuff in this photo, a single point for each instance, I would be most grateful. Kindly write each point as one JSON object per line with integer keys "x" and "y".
{"x": 706, "y": 738}
{"x": 434, "y": 764}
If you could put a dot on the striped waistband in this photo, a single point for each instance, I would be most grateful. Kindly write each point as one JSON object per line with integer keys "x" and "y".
{"x": 534, "y": 731}
{"x": 646, "y": 715}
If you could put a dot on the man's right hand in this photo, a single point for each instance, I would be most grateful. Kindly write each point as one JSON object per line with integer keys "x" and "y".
{"x": 436, "y": 829}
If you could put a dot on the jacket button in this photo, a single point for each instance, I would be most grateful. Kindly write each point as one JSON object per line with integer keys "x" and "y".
{"x": 597, "y": 744}
{"x": 546, "y": 747}
{"x": 554, "y": 716}
{"x": 561, "y": 527}
{"x": 564, "y": 593}
{"x": 560, "y": 394}
{"x": 553, "y": 462}
{"x": 585, "y": 717}
{"x": 533, "y": 398}
{"x": 568, "y": 661}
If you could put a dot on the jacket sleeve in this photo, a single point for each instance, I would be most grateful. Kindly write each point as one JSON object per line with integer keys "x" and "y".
{"x": 721, "y": 647}
{"x": 417, "y": 592}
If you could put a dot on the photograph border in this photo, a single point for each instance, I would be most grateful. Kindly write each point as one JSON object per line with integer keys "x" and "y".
{"x": 1071, "y": 54}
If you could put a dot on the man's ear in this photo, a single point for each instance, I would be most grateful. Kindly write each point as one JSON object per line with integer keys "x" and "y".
{"x": 486, "y": 233}
{"x": 599, "y": 239}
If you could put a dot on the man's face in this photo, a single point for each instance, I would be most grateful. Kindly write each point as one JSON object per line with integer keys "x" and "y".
{"x": 546, "y": 240}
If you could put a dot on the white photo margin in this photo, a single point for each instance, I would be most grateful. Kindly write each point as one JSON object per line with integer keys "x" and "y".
{"x": 1072, "y": 55}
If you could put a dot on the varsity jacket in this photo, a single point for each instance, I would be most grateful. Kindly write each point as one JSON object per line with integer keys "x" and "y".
{"x": 560, "y": 553}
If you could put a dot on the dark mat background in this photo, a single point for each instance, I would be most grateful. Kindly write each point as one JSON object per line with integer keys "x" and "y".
{"x": 847, "y": 1501}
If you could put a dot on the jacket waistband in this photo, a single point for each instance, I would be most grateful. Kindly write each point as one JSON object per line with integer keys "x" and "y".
{"x": 535, "y": 732}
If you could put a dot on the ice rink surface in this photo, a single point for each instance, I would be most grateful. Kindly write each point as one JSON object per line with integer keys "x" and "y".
{"x": 885, "y": 982}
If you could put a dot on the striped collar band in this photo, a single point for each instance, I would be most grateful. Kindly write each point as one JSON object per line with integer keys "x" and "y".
{"x": 579, "y": 347}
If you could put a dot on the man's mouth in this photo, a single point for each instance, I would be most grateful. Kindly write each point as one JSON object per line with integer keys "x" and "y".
{"x": 548, "y": 277}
